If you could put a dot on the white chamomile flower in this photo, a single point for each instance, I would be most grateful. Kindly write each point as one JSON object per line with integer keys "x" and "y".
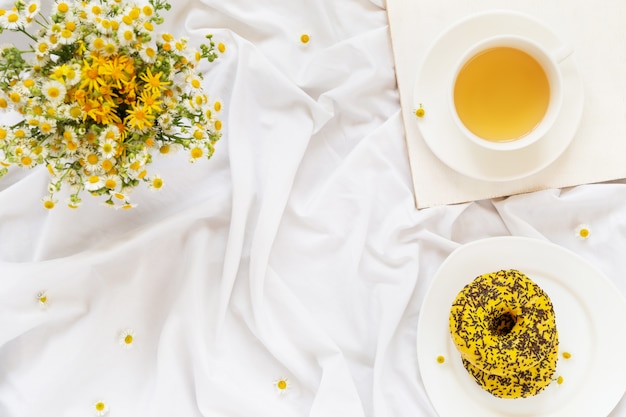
{"x": 165, "y": 120}
{"x": 12, "y": 20}
{"x": 100, "y": 408}
{"x": 94, "y": 11}
{"x": 71, "y": 147}
{"x": 108, "y": 148}
{"x": 110, "y": 47}
{"x": 42, "y": 58}
{"x": 71, "y": 74}
{"x": 196, "y": 153}
{"x": 42, "y": 47}
{"x": 181, "y": 44}
{"x": 42, "y": 299}
{"x": 126, "y": 34}
{"x": 54, "y": 91}
{"x": 217, "y": 125}
{"x": 32, "y": 8}
{"x": 217, "y": 105}
{"x": 282, "y": 385}
{"x": 123, "y": 194}
{"x": 148, "y": 52}
{"x": 156, "y": 183}
{"x": 126, "y": 206}
{"x": 17, "y": 95}
{"x": 112, "y": 181}
{"x": 61, "y": 7}
{"x": 47, "y": 125}
{"x": 147, "y": 10}
{"x": 92, "y": 162}
{"x": 127, "y": 338}
{"x": 199, "y": 133}
{"x": 110, "y": 133}
{"x": 194, "y": 82}
{"x": 69, "y": 133}
{"x": 169, "y": 148}
{"x": 27, "y": 160}
{"x": 49, "y": 202}
{"x": 305, "y": 38}
{"x": 68, "y": 36}
{"x": 583, "y": 231}
{"x": 94, "y": 182}
{"x": 200, "y": 100}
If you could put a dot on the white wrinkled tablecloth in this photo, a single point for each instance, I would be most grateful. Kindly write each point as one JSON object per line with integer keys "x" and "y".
{"x": 295, "y": 252}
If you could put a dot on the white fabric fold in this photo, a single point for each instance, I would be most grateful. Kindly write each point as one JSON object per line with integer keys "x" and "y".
{"x": 295, "y": 252}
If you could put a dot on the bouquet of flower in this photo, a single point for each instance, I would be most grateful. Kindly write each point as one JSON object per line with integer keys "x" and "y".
{"x": 101, "y": 92}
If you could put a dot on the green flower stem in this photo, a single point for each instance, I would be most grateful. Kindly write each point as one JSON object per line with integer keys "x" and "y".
{"x": 21, "y": 29}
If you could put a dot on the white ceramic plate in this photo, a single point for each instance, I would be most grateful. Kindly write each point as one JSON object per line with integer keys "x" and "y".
{"x": 447, "y": 141}
{"x": 590, "y": 314}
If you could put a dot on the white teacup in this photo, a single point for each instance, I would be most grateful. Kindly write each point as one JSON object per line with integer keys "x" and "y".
{"x": 506, "y": 92}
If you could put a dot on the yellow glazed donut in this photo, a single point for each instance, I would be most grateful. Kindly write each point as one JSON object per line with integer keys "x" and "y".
{"x": 524, "y": 383}
{"x": 502, "y": 323}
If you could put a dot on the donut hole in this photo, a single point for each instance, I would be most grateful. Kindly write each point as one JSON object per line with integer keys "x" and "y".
{"x": 502, "y": 324}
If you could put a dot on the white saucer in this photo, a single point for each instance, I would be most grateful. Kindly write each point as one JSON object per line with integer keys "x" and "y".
{"x": 589, "y": 314}
{"x": 445, "y": 139}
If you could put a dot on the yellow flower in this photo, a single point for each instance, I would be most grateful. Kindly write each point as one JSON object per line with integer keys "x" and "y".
{"x": 150, "y": 100}
{"x": 119, "y": 69}
{"x": 153, "y": 81}
{"x": 420, "y": 111}
{"x": 90, "y": 76}
{"x": 139, "y": 117}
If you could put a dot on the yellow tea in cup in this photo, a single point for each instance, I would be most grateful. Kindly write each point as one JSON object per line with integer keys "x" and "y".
{"x": 501, "y": 94}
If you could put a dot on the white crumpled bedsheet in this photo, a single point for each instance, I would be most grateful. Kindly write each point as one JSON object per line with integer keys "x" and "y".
{"x": 295, "y": 252}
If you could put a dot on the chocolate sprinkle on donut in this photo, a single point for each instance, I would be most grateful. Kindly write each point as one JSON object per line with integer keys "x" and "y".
{"x": 503, "y": 325}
